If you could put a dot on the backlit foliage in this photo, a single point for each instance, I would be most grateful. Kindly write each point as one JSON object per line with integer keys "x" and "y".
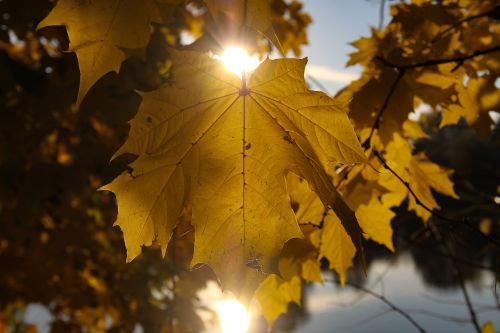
{"x": 259, "y": 179}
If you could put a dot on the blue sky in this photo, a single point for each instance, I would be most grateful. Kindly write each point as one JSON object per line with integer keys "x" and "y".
{"x": 336, "y": 24}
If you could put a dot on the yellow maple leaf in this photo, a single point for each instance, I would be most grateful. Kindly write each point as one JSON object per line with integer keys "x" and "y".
{"x": 298, "y": 258}
{"x": 310, "y": 209}
{"x": 274, "y": 294}
{"x": 421, "y": 175}
{"x": 375, "y": 220}
{"x": 337, "y": 246}
{"x": 224, "y": 146}
{"x": 98, "y": 30}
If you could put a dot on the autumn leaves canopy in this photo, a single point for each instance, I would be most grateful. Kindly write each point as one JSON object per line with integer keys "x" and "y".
{"x": 241, "y": 154}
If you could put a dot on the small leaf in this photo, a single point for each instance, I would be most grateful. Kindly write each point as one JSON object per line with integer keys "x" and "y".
{"x": 337, "y": 246}
{"x": 274, "y": 294}
{"x": 488, "y": 328}
{"x": 375, "y": 220}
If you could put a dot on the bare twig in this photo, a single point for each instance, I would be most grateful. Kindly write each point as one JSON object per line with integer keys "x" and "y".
{"x": 363, "y": 322}
{"x": 495, "y": 290}
{"x": 459, "y": 320}
{"x": 483, "y": 307}
{"x": 318, "y": 84}
{"x": 386, "y": 301}
{"x": 381, "y": 12}
{"x": 458, "y": 274}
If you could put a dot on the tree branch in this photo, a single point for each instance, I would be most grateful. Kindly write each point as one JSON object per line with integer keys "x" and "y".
{"x": 462, "y": 21}
{"x": 464, "y": 221}
{"x": 458, "y": 274}
{"x": 376, "y": 124}
{"x": 459, "y": 60}
{"x": 385, "y": 300}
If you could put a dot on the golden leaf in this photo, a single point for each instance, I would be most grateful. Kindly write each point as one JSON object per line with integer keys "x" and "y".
{"x": 224, "y": 146}
{"x": 375, "y": 220}
{"x": 337, "y": 246}
{"x": 421, "y": 175}
{"x": 298, "y": 258}
{"x": 274, "y": 294}
{"x": 98, "y": 30}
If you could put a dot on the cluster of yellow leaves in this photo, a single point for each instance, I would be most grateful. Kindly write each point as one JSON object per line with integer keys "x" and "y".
{"x": 243, "y": 153}
{"x": 101, "y": 32}
{"x": 207, "y": 140}
{"x": 422, "y": 32}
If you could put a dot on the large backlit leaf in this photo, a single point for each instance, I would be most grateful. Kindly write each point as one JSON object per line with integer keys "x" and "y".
{"x": 224, "y": 146}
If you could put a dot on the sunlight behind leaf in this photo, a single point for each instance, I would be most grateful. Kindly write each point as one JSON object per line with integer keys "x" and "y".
{"x": 233, "y": 316}
{"x": 237, "y": 60}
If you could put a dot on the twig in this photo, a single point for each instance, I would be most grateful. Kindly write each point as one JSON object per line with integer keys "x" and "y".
{"x": 318, "y": 84}
{"x": 459, "y": 320}
{"x": 495, "y": 291}
{"x": 362, "y": 322}
{"x": 458, "y": 274}
{"x": 464, "y": 221}
{"x": 460, "y": 22}
{"x": 386, "y": 301}
{"x": 376, "y": 123}
{"x": 459, "y": 60}
{"x": 381, "y": 12}
{"x": 483, "y": 307}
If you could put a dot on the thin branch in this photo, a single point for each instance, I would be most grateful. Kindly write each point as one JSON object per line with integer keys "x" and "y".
{"x": 495, "y": 290}
{"x": 378, "y": 118}
{"x": 386, "y": 301}
{"x": 458, "y": 320}
{"x": 459, "y": 60}
{"x": 460, "y": 22}
{"x": 363, "y": 322}
{"x": 464, "y": 221}
{"x": 318, "y": 84}
{"x": 411, "y": 241}
{"x": 458, "y": 274}
{"x": 483, "y": 307}
{"x": 381, "y": 12}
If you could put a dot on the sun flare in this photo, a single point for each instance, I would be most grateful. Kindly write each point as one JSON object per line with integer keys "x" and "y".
{"x": 233, "y": 316}
{"x": 237, "y": 60}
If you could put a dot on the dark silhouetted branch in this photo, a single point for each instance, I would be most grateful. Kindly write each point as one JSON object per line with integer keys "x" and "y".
{"x": 376, "y": 123}
{"x": 458, "y": 273}
{"x": 386, "y": 301}
{"x": 459, "y": 60}
{"x": 434, "y": 213}
{"x": 462, "y": 21}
